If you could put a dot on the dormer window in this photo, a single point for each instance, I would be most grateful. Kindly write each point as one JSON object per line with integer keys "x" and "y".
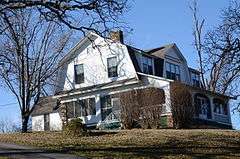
{"x": 112, "y": 67}
{"x": 78, "y": 74}
{"x": 172, "y": 71}
{"x": 195, "y": 79}
{"x": 147, "y": 65}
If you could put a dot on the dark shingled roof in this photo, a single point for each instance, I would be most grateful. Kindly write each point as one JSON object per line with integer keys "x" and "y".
{"x": 45, "y": 105}
{"x": 160, "y": 51}
{"x": 194, "y": 70}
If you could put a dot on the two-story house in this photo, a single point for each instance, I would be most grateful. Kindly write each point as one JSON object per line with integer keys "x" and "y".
{"x": 97, "y": 68}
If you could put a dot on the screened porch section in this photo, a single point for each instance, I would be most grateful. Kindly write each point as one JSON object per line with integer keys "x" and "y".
{"x": 214, "y": 109}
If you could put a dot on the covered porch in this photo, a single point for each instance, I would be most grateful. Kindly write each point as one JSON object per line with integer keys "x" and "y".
{"x": 212, "y": 107}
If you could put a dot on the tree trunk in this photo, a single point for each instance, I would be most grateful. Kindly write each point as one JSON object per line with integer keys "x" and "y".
{"x": 25, "y": 124}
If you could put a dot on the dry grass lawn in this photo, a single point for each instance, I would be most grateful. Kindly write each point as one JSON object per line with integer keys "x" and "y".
{"x": 139, "y": 143}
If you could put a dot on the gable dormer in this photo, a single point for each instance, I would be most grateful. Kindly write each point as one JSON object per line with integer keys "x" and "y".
{"x": 145, "y": 62}
{"x": 175, "y": 65}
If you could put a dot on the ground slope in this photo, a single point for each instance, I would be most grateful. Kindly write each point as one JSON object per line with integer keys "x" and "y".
{"x": 139, "y": 143}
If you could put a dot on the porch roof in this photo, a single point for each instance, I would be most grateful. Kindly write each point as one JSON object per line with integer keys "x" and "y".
{"x": 45, "y": 105}
{"x": 97, "y": 87}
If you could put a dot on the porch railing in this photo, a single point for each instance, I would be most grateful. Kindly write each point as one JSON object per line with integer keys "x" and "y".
{"x": 112, "y": 117}
{"x": 221, "y": 118}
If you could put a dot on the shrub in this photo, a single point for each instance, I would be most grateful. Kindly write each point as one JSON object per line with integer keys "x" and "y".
{"x": 181, "y": 105}
{"x": 75, "y": 128}
{"x": 164, "y": 122}
{"x": 142, "y": 108}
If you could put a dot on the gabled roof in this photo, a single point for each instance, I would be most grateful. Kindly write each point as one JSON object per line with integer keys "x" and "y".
{"x": 194, "y": 70}
{"x": 132, "y": 49}
{"x": 72, "y": 53}
{"x": 45, "y": 105}
{"x": 161, "y": 51}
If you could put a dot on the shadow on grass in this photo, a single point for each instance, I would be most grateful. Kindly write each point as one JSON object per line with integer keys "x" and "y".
{"x": 145, "y": 152}
{"x": 173, "y": 147}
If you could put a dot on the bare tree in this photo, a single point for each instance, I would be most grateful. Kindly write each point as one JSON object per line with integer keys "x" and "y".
{"x": 30, "y": 49}
{"x": 84, "y": 15}
{"x": 220, "y": 51}
{"x": 197, "y": 34}
{"x": 7, "y": 126}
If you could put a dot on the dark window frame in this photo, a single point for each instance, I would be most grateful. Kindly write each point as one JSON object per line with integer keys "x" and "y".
{"x": 112, "y": 70}
{"x": 147, "y": 63}
{"x": 78, "y": 78}
{"x": 81, "y": 108}
{"x": 109, "y": 104}
{"x": 220, "y": 107}
{"x": 173, "y": 72}
{"x": 195, "y": 79}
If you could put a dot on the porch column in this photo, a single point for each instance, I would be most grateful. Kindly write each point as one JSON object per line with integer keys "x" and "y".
{"x": 98, "y": 108}
{"x": 229, "y": 112}
{"x": 212, "y": 107}
{"x": 63, "y": 113}
{"x": 167, "y": 104}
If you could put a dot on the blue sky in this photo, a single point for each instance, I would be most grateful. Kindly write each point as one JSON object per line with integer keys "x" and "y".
{"x": 154, "y": 23}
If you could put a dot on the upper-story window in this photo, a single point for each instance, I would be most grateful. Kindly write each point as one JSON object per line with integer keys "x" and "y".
{"x": 195, "y": 79}
{"x": 147, "y": 65}
{"x": 79, "y": 74}
{"x": 172, "y": 71}
{"x": 112, "y": 67}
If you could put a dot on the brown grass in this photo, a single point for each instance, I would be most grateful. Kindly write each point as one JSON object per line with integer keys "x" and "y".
{"x": 139, "y": 143}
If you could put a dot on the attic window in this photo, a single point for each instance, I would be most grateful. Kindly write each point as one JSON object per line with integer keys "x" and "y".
{"x": 79, "y": 74}
{"x": 172, "y": 71}
{"x": 147, "y": 65}
{"x": 112, "y": 67}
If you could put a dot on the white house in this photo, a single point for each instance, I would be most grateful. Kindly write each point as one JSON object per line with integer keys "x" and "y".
{"x": 97, "y": 68}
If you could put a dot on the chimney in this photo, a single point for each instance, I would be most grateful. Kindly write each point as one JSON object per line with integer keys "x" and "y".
{"x": 117, "y": 36}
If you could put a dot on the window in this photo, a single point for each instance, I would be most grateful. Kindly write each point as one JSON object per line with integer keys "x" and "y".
{"x": 172, "y": 71}
{"x": 202, "y": 106}
{"x": 112, "y": 67}
{"x": 195, "y": 79}
{"x": 115, "y": 104}
{"x": 70, "y": 109}
{"x": 147, "y": 65}
{"x": 79, "y": 74}
{"x": 109, "y": 105}
{"x": 80, "y": 108}
{"x": 106, "y": 102}
{"x": 220, "y": 107}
